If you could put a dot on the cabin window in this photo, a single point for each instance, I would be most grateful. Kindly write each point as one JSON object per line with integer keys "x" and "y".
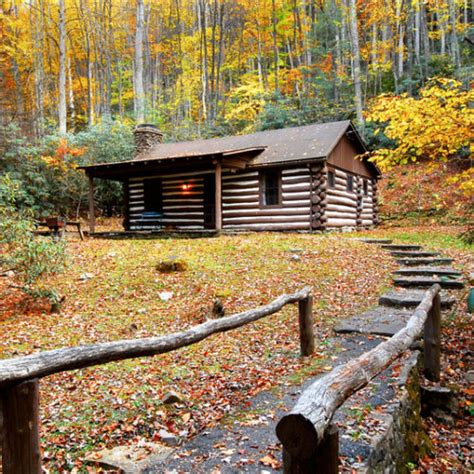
{"x": 270, "y": 188}
{"x": 350, "y": 183}
{"x": 366, "y": 188}
{"x": 153, "y": 200}
{"x": 331, "y": 180}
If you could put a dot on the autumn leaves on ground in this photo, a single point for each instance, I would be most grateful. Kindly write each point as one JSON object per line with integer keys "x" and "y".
{"x": 113, "y": 291}
{"x": 125, "y": 297}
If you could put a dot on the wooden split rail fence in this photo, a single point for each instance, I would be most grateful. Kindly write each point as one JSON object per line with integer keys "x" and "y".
{"x": 19, "y": 377}
{"x": 310, "y": 441}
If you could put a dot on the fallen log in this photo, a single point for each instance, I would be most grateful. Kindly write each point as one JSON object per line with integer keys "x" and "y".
{"x": 304, "y": 427}
{"x": 39, "y": 365}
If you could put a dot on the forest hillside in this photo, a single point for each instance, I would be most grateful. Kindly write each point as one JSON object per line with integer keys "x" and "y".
{"x": 76, "y": 75}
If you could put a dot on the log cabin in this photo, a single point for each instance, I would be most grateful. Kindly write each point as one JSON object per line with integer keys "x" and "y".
{"x": 307, "y": 178}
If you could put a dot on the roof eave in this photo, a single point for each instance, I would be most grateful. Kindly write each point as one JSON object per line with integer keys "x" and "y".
{"x": 287, "y": 162}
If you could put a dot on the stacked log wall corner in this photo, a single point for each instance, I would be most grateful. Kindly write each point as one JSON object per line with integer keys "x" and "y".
{"x": 349, "y": 208}
{"x": 360, "y": 199}
{"x": 218, "y": 196}
{"x": 375, "y": 204}
{"x": 318, "y": 197}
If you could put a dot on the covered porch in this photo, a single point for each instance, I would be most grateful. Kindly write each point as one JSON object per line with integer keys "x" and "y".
{"x": 181, "y": 194}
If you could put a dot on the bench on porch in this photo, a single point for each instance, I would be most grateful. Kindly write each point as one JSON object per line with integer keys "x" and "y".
{"x": 150, "y": 219}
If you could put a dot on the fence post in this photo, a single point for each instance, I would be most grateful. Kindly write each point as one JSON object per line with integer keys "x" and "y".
{"x": 305, "y": 313}
{"x": 324, "y": 461}
{"x": 432, "y": 341}
{"x": 21, "y": 442}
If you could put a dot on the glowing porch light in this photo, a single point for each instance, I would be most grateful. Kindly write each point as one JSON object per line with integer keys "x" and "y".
{"x": 185, "y": 187}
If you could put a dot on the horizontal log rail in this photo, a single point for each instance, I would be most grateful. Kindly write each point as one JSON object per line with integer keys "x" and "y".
{"x": 19, "y": 376}
{"x": 46, "y": 363}
{"x": 307, "y": 427}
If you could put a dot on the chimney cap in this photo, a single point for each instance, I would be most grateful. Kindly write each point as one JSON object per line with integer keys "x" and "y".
{"x": 148, "y": 126}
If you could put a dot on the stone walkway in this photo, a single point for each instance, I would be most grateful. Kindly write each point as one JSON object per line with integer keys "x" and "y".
{"x": 245, "y": 441}
{"x": 384, "y": 319}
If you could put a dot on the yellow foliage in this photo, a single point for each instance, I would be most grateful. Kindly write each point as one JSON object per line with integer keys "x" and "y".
{"x": 436, "y": 126}
{"x": 249, "y": 99}
{"x": 465, "y": 181}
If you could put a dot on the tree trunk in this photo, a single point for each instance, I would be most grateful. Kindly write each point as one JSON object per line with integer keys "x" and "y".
{"x": 39, "y": 74}
{"x": 204, "y": 59}
{"x": 454, "y": 45}
{"x": 72, "y": 106}
{"x": 356, "y": 58}
{"x": 275, "y": 47}
{"x": 62, "y": 68}
{"x": 138, "y": 76}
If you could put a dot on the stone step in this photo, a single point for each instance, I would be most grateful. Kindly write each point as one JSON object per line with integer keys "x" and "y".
{"x": 427, "y": 271}
{"x": 376, "y": 241}
{"x": 411, "y": 299}
{"x": 413, "y": 254}
{"x": 424, "y": 282}
{"x": 237, "y": 443}
{"x": 424, "y": 261}
{"x": 401, "y": 247}
{"x": 382, "y": 320}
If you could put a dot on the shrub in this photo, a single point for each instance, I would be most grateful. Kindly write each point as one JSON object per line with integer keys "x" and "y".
{"x": 47, "y": 167}
{"x": 30, "y": 257}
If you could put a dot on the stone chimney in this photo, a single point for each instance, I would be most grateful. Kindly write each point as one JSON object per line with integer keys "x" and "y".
{"x": 146, "y": 136}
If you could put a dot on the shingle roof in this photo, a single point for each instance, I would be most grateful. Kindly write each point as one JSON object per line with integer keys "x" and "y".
{"x": 273, "y": 146}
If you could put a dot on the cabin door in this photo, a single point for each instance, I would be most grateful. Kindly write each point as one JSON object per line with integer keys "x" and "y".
{"x": 209, "y": 201}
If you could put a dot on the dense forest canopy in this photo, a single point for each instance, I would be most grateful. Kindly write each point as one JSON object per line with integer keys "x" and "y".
{"x": 76, "y": 75}
{"x": 197, "y": 66}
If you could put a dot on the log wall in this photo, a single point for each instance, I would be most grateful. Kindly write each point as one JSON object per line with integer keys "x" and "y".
{"x": 241, "y": 209}
{"x": 349, "y": 208}
{"x": 181, "y": 209}
{"x": 307, "y": 202}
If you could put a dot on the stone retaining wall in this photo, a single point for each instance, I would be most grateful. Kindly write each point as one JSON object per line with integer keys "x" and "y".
{"x": 403, "y": 440}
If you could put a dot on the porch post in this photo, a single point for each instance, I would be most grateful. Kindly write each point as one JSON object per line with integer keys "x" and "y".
{"x": 218, "y": 196}
{"x": 91, "y": 205}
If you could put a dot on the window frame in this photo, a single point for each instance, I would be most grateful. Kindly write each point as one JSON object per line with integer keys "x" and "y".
{"x": 331, "y": 178}
{"x": 349, "y": 183}
{"x": 261, "y": 188}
